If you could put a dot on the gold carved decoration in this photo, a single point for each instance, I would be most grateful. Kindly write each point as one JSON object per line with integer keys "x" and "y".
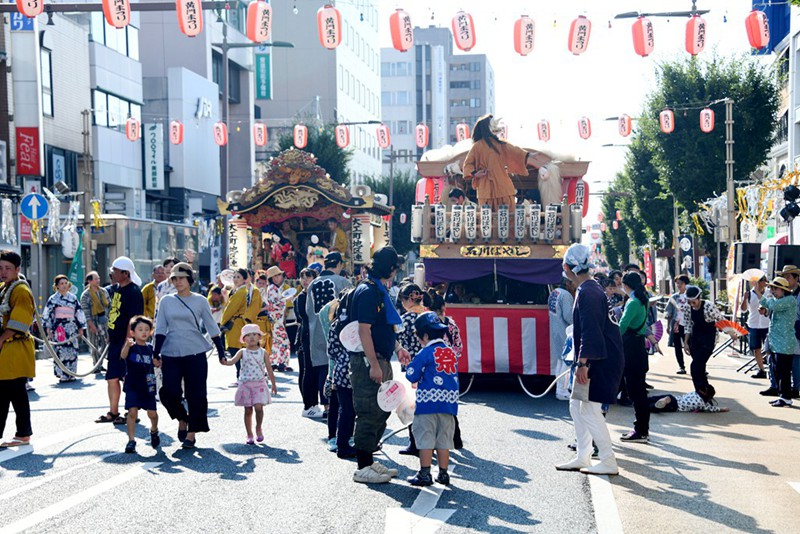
{"x": 295, "y": 198}
{"x": 559, "y": 251}
{"x": 428, "y": 251}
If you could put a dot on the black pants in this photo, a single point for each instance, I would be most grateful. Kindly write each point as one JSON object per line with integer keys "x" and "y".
{"x": 291, "y": 332}
{"x": 636, "y": 366}
{"x": 784, "y": 368}
{"x": 677, "y": 344}
{"x": 701, "y": 352}
{"x": 313, "y": 386}
{"x": 190, "y": 372}
{"x": 671, "y": 407}
{"x": 13, "y": 393}
{"x": 347, "y": 418}
{"x": 333, "y": 415}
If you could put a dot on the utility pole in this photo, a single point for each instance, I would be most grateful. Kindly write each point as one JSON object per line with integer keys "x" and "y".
{"x": 88, "y": 190}
{"x": 732, "y": 226}
{"x": 676, "y": 233}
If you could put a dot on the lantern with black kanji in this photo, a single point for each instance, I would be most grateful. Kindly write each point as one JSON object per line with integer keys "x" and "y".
{"x": 259, "y": 21}
{"x": 543, "y": 129}
{"x": 524, "y": 33}
{"x": 133, "y": 129}
{"x": 260, "y": 134}
{"x": 625, "y": 125}
{"x": 384, "y": 137}
{"x": 402, "y": 31}
{"x": 329, "y": 25}
{"x": 615, "y": 225}
{"x": 579, "y": 32}
{"x": 707, "y": 120}
{"x": 30, "y": 8}
{"x": 757, "y": 29}
{"x": 462, "y": 131}
{"x": 300, "y": 135}
{"x": 463, "y": 31}
{"x": 619, "y": 215}
{"x": 190, "y": 16}
{"x": 421, "y": 133}
{"x": 666, "y": 120}
{"x": 695, "y": 35}
{"x": 643, "y": 37}
{"x": 584, "y": 127}
{"x": 342, "y": 136}
{"x": 117, "y": 12}
{"x": 176, "y": 132}
{"x": 221, "y": 133}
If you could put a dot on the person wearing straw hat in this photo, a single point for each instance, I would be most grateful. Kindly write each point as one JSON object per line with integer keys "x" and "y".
{"x": 792, "y": 275}
{"x": 757, "y": 323}
{"x": 699, "y": 318}
{"x": 276, "y": 308}
{"x": 783, "y": 308}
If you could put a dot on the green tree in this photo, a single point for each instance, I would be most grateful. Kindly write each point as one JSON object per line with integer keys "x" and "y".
{"x": 404, "y": 188}
{"x": 616, "y": 243}
{"x": 322, "y": 143}
{"x": 652, "y": 205}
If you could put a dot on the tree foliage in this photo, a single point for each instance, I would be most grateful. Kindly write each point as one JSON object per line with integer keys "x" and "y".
{"x": 322, "y": 143}
{"x": 405, "y": 184}
{"x": 652, "y": 204}
{"x": 616, "y": 243}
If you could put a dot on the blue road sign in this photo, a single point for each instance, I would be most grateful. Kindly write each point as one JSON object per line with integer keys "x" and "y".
{"x": 34, "y": 206}
{"x": 20, "y": 23}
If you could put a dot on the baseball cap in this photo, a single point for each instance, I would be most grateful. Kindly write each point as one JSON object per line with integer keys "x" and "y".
{"x": 430, "y": 321}
{"x": 124, "y": 263}
{"x": 386, "y": 258}
{"x": 332, "y": 259}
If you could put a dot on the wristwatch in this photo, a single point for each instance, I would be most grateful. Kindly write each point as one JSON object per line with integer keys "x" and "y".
{"x": 581, "y": 364}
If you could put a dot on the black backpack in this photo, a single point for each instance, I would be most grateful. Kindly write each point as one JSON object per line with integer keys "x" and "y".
{"x": 345, "y": 303}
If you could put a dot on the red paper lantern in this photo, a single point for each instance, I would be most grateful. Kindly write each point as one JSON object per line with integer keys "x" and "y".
{"x": 421, "y": 134}
{"x": 625, "y": 125}
{"x": 402, "y": 31}
{"x": 259, "y": 21}
{"x": 433, "y": 187}
{"x": 667, "y": 120}
{"x": 602, "y": 227}
{"x": 384, "y": 137}
{"x": 543, "y": 129}
{"x": 463, "y": 31}
{"x": 584, "y": 127}
{"x": 615, "y": 225}
{"x": 462, "y": 131}
{"x": 260, "y": 134}
{"x": 578, "y": 193}
{"x": 30, "y": 8}
{"x": 524, "y": 33}
{"x": 342, "y": 136}
{"x": 579, "y": 32}
{"x": 176, "y": 132}
{"x": 190, "y": 16}
{"x": 643, "y": 40}
{"x": 707, "y": 120}
{"x": 221, "y": 133}
{"x": 757, "y": 29}
{"x": 133, "y": 129}
{"x": 329, "y": 24}
{"x": 300, "y": 136}
{"x": 117, "y": 12}
{"x": 619, "y": 215}
{"x": 600, "y": 217}
{"x": 695, "y": 35}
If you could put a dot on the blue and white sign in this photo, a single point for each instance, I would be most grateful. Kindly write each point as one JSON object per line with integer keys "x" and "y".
{"x": 34, "y": 206}
{"x": 20, "y": 23}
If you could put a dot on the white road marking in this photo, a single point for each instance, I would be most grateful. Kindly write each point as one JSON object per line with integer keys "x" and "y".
{"x": 423, "y": 517}
{"x": 44, "y": 479}
{"x": 795, "y": 486}
{"x": 606, "y": 514}
{"x": 78, "y": 498}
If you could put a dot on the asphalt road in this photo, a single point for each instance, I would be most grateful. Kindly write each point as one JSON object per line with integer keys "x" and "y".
{"x": 76, "y": 477}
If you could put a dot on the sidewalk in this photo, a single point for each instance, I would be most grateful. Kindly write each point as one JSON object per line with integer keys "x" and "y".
{"x": 725, "y": 472}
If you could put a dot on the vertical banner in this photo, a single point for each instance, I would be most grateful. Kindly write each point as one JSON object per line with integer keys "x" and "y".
{"x": 440, "y": 222}
{"x": 648, "y": 267}
{"x": 687, "y": 254}
{"x": 154, "y": 157}
{"x": 456, "y": 221}
{"x": 76, "y": 267}
{"x": 360, "y": 234}
{"x": 550, "y": 217}
{"x": 263, "y": 74}
{"x": 29, "y": 152}
{"x": 237, "y": 243}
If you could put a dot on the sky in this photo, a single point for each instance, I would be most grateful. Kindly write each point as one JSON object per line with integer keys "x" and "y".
{"x": 609, "y": 79}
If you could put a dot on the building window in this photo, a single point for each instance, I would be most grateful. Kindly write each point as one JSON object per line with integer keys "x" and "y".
{"x": 47, "y": 82}
{"x": 100, "y": 106}
{"x": 123, "y": 40}
{"x": 459, "y": 85}
{"x": 474, "y": 102}
{"x": 476, "y": 84}
{"x": 234, "y": 78}
{"x": 112, "y": 111}
{"x": 475, "y": 66}
{"x": 386, "y": 98}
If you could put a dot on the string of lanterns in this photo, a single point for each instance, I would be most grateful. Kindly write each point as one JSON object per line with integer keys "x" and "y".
{"x": 329, "y": 25}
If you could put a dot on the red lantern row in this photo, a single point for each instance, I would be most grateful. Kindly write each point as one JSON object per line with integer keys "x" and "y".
{"x": 666, "y": 120}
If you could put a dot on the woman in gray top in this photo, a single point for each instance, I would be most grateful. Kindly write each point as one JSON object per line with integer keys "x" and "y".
{"x": 182, "y": 347}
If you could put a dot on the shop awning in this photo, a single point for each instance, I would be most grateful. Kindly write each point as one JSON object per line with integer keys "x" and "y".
{"x": 458, "y": 270}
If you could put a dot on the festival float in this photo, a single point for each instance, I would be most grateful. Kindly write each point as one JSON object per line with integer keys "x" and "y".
{"x": 499, "y": 265}
{"x": 289, "y": 209}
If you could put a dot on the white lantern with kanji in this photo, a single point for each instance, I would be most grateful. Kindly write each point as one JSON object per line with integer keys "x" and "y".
{"x": 30, "y": 8}
{"x": 133, "y": 129}
{"x": 329, "y": 26}
{"x": 757, "y": 29}
{"x": 584, "y": 127}
{"x": 384, "y": 137}
{"x": 176, "y": 132}
{"x": 117, "y": 12}
{"x": 421, "y": 133}
{"x": 524, "y": 34}
{"x": 463, "y": 31}
{"x": 402, "y": 31}
{"x": 260, "y": 134}
{"x": 643, "y": 37}
{"x": 666, "y": 120}
{"x": 342, "y": 136}
{"x": 615, "y": 225}
{"x": 625, "y": 125}
{"x": 259, "y": 21}
{"x": 695, "y": 35}
{"x": 707, "y": 120}
{"x": 462, "y": 131}
{"x": 221, "y": 133}
{"x": 503, "y": 133}
{"x": 300, "y": 135}
{"x": 190, "y": 16}
{"x": 579, "y": 32}
{"x": 543, "y": 129}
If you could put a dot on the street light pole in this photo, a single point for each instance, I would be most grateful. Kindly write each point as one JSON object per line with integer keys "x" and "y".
{"x": 732, "y": 227}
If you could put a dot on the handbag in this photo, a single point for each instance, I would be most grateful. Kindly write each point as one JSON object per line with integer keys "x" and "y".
{"x": 580, "y": 391}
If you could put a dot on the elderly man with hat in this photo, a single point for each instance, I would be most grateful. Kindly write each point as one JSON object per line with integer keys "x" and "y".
{"x": 321, "y": 291}
{"x": 791, "y": 273}
{"x": 126, "y": 303}
{"x": 372, "y": 307}
{"x": 699, "y": 324}
{"x": 782, "y": 306}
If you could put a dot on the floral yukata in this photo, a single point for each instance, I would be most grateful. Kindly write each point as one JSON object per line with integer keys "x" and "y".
{"x": 63, "y": 317}
{"x": 276, "y": 308}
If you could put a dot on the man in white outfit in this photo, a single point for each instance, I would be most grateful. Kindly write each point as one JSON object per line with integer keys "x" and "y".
{"x": 559, "y": 306}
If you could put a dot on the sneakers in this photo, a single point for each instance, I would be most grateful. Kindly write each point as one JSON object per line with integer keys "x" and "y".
{"x": 443, "y": 478}
{"x": 780, "y": 403}
{"x": 574, "y": 465}
{"x": 368, "y": 475}
{"x": 315, "y": 412}
{"x": 155, "y": 439}
{"x": 383, "y": 470}
{"x": 681, "y": 371}
{"x": 130, "y": 448}
{"x": 760, "y": 374}
{"x": 606, "y": 467}
{"x": 421, "y": 480}
{"x": 769, "y": 392}
{"x": 796, "y": 393}
{"x": 332, "y": 445}
{"x": 662, "y": 402}
{"x": 634, "y": 437}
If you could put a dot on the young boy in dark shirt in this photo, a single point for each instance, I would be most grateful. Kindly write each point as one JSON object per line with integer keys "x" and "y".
{"x": 140, "y": 380}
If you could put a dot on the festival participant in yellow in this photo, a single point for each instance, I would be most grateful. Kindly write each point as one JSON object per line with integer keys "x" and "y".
{"x": 149, "y": 291}
{"x": 489, "y": 163}
{"x": 17, "y": 362}
{"x": 338, "y": 237}
{"x": 242, "y": 308}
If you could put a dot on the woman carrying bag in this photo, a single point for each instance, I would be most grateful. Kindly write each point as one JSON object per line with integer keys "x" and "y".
{"x": 64, "y": 323}
{"x": 633, "y": 327}
{"x": 181, "y": 347}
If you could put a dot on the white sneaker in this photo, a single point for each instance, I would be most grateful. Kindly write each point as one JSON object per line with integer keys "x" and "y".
{"x": 368, "y": 475}
{"x": 606, "y": 467}
{"x": 662, "y": 402}
{"x": 382, "y": 469}
{"x": 576, "y": 464}
{"x": 313, "y": 413}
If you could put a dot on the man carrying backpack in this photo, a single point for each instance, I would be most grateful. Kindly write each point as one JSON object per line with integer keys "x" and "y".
{"x": 377, "y": 318}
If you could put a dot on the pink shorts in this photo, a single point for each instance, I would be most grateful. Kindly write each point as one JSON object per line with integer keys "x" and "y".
{"x": 249, "y": 394}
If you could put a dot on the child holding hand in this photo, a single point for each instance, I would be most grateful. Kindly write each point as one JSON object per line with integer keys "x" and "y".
{"x": 435, "y": 370}
{"x": 253, "y": 392}
{"x": 140, "y": 380}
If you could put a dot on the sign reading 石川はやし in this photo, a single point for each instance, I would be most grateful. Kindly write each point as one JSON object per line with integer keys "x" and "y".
{"x": 154, "y": 157}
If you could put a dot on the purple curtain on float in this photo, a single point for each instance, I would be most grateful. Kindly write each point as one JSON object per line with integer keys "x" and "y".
{"x": 458, "y": 270}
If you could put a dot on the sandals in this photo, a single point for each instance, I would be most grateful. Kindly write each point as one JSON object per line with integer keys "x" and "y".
{"x": 250, "y": 440}
{"x": 259, "y": 436}
{"x": 16, "y": 441}
{"x": 109, "y": 418}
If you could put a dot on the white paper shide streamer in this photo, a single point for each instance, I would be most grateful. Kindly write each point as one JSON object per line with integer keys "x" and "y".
{"x": 9, "y": 231}
{"x": 54, "y": 225}
{"x": 70, "y": 239}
